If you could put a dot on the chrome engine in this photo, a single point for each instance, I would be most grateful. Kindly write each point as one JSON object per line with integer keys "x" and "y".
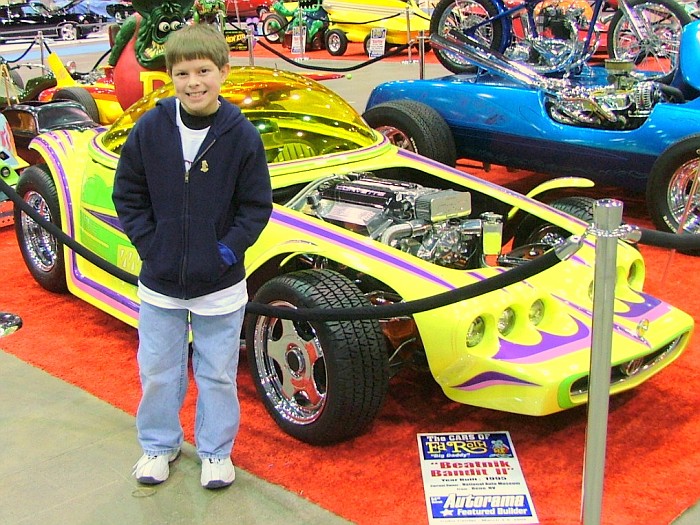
{"x": 623, "y": 104}
{"x": 432, "y": 224}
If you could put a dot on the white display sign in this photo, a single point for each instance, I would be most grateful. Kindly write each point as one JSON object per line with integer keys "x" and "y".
{"x": 474, "y": 478}
{"x": 377, "y": 42}
{"x": 298, "y": 39}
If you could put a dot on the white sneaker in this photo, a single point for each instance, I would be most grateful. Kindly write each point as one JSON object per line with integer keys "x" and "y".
{"x": 217, "y": 473}
{"x": 154, "y": 469}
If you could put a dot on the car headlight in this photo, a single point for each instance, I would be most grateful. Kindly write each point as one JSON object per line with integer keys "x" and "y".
{"x": 636, "y": 275}
{"x": 506, "y": 321}
{"x": 476, "y": 331}
{"x": 536, "y": 313}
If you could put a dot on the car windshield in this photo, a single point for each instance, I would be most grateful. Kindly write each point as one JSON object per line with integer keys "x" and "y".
{"x": 296, "y": 117}
{"x": 60, "y": 117}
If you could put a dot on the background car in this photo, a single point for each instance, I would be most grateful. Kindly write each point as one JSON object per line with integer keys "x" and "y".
{"x": 112, "y": 10}
{"x": 24, "y": 21}
{"x": 618, "y": 126}
{"x": 31, "y": 118}
{"x": 246, "y": 9}
{"x": 359, "y": 223}
{"x": 347, "y": 21}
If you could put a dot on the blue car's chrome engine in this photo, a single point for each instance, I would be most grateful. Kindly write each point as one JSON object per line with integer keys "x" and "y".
{"x": 624, "y": 103}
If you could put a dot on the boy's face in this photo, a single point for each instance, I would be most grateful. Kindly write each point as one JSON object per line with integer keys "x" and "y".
{"x": 198, "y": 84}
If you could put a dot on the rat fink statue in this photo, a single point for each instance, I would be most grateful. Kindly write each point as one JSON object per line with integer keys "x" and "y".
{"x": 210, "y": 12}
{"x": 137, "y": 53}
{"x": 315, "y": 18}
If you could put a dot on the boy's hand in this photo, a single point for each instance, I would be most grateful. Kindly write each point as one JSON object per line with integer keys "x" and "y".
{"x": 226, "y": 254}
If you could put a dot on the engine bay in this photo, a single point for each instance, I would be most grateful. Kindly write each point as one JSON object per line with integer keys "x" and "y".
{"x": 433, "y": 224}
{"x": 624, "y": 103}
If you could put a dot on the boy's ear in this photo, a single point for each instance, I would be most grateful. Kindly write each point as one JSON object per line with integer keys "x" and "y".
{"x": 225, "y": 71}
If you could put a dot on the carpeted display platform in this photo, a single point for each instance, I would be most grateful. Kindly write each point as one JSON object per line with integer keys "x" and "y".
{"x": 375, "y": 479}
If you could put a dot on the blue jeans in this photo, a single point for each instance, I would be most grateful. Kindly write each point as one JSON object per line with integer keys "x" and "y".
{"x": 162, "y": 357}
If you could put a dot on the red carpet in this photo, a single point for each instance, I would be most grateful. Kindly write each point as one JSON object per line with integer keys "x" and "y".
{"x": 652, "y": 460}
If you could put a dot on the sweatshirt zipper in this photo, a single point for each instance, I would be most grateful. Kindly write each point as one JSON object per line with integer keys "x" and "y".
{"x": 185, "y": 211}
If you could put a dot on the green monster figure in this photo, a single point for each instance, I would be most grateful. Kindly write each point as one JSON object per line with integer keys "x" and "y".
{"x": 315, "y": 16}
{"x": 210, "y": 12}
{"x": 137, "y": 53}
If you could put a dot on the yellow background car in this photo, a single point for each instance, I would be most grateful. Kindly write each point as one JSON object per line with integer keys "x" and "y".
{"x": 353, "y": 21}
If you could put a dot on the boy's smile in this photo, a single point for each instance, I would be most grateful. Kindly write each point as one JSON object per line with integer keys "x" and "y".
{"x": 198, "y": 84}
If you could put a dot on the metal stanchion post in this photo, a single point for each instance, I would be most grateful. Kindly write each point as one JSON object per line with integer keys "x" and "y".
{"x": 408, "y": 36}
{"x": 251, "y": 43}
{"x": 607, "y": 217}
{"x": 40, "y": 37}
{"x": 421, "y": 54}
{"x": 302, "y": 35}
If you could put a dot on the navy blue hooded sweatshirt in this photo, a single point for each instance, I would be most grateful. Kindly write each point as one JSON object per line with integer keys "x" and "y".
{"x": 175, "y": 219}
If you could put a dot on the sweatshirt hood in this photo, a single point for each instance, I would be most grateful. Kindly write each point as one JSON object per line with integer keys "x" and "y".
{"x": 227, "y": 118}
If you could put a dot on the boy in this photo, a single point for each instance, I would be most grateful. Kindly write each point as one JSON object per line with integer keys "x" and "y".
{"x": 192, "y": 191}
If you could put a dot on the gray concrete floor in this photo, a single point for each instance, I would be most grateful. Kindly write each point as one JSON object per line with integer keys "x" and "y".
{"x": 67, "y": 459}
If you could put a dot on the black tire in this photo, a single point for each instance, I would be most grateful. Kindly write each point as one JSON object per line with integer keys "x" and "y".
{"x": 340, "y": 368}
{"x": 534, "y": 230}
{"x": 666, "y": 18}
{"x": 669, "y": 186}
{"x": 449, "y": 14}
{"x": 274, "y": 26}
{"x": 336, "y": 42}
{"x": 365, "y": 44}
{"x": 41, "y": 252}
{"x": 83, "y": 97}
{"x": 416, "y": 127}
{"x": 17, "y": 79}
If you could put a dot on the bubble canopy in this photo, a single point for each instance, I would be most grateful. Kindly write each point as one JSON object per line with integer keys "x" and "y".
{"x": 297, "y": 117}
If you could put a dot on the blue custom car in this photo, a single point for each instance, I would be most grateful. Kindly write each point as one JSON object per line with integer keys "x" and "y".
{"x": 610, "y": 124}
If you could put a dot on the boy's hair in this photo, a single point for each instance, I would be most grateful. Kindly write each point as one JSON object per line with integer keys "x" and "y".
{"x": 193, "y": 42}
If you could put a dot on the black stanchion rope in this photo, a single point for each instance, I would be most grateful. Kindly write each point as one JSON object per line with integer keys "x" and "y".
{"x": 497, "y": 282}
{"x": 391, "y": 53}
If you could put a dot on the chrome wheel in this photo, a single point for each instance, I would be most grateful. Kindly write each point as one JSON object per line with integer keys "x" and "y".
{"x": 68, "y": 32}
{"x": 658, "y": 45}
{"x": 684, "y": 207}
{"x": 397, "y": 137}
{"x": 289, "y": 355}
{"x": 41, "y": 247}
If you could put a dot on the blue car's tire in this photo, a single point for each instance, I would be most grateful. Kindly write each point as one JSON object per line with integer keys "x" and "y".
{"x": 416, "y": 127}
{"x": 322, "y": 382}
{"x": 42, "y": 253}
{"x": 670, "y": 184}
